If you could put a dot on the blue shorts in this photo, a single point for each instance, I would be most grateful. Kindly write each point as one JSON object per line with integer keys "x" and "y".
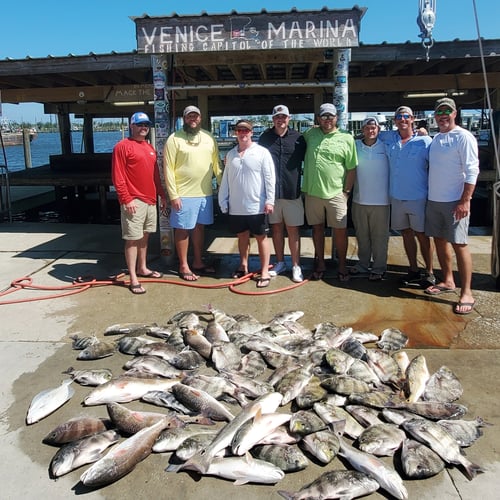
{"x": 194, "y": 211}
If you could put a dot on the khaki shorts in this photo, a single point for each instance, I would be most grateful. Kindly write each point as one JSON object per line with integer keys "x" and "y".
{"x": 291, "y": 212}
{"x": 408, "y": 214}
{"x": 143, "y": 221}
{"x": 334, "y": 210}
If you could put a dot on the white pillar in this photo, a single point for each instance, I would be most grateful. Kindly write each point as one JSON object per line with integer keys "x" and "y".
{"x": 341, "y": 89}
{"x": 162, "y": 128}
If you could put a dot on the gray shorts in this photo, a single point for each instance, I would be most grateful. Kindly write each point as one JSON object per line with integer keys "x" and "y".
{"x": 334, "y": 210}
{"x": 143, "y": 221}
{"x": 291, "y": 212}
{"x": 441, "y": 223}
{"x": 408, "y": 214}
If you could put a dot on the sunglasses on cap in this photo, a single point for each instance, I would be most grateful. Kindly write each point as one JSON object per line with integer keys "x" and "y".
{"x": 401, "y": 116}
{"x": 446, "y": 111}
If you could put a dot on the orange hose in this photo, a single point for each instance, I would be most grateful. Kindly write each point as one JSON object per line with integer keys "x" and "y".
{"x": 84, "y": 283}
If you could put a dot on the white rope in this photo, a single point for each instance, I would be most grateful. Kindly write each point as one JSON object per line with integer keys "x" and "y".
{"x": 495, "y": 242}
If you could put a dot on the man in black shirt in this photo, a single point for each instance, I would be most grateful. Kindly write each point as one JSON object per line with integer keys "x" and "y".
{"x": 287, "y": 147}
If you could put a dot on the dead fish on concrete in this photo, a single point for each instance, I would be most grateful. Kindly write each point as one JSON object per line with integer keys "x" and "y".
{"x": 443, "y": 386}
{"x": 131, "y": 344}
{"x": 342, "y": 484}
{"x": 171, "y": 438}
{"x": 324, "y": 445}
{"x": 80, "y": 343}
{"x": 186, "y": 360}
{"x": 76, "y": 428}
{"x": 81, "y": 452}
{"x": 198, "y": 342}
{"x": 381, "y": 440}
{"x": 385, "y": 367}
{"x": 122, "y": 459}
{"x": 89, "y": 377}
{"x": 201, "y": 460}
{"x": 293, "y": 382}
{"x": 193, "y": 444}
{"x": 125, "y": 389}
{"x": 385, "y": 476}
{"x": 433, "y": 410}
{"x": 440, "y": 441}
{"x": 159, "y": 349}
{"x": 255, "y": 430}
{"x": 214, "y": 332}
{"x": 465, "y": 432}
{"x": 202, "y": 402}
{"x": 131, "y": 421}
{"x": 419, "y": 461}
{"x": 243, "y": 470}
{"x": 131, "y": 329}
{"x": 153, "y": 365}
{"x": 304, "y": 422}
{"x": 166, "y": 399}
{"x": 98, "y": 350}
{"x": 417, "y": 376}
{"x": 289, "y": 458}
{"x": 392, "y": 339}
{"x": 48, "y": 401}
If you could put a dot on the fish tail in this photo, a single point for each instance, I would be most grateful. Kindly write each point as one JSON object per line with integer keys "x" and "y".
{"x": 472, "y": 470}
{"x": 199, "y": 462}
{"x": 286, "y": 494}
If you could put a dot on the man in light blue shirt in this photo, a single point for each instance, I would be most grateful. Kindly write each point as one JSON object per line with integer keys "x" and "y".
{"x": 408, "y": 155}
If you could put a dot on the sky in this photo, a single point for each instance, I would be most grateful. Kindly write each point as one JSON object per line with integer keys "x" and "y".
{"x": 39, "y": 29}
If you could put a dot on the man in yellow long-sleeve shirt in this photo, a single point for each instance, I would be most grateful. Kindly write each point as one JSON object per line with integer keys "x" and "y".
{"x": 190, "y": 161}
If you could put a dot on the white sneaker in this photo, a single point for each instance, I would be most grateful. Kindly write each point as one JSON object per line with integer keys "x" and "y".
{"x": 297, "y": 274}
{"x": 278, "y": 268}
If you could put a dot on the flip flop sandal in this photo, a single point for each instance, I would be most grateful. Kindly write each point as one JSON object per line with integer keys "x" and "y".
{"x": 263, "y": 282}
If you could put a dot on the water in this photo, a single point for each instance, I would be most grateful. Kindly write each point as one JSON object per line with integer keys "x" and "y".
{"x": 47, "y": 144}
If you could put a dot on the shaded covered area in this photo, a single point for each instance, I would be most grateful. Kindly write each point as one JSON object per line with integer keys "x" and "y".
{"x": 246, "y": 82}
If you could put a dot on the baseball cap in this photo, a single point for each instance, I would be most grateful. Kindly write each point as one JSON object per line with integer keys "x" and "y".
{"x": 403, "y": 109}
{"x": 446, "y": 101}
{"x": 244, "y": 124}
{"x": 280, "y": 109}
{"x": 370, "y": 120}
{"x": 327, "y": 109}
{"x": 191, "y": 109}
{"x": 140, "y": 117}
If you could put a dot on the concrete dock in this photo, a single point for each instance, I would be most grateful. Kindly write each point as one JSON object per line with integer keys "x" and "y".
{"x": 36, "y": 348}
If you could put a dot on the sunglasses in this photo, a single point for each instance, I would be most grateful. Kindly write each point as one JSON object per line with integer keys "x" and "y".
{"x": 242, "y": 131}
{"x": 401, "y": 116}
{"x": 327, "y": 117}
{"x": 441, "y": 112}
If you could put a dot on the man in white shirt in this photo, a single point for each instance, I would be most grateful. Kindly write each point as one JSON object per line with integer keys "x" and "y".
{"x": 453, "y": 171}
{"x": 371, "y": 203}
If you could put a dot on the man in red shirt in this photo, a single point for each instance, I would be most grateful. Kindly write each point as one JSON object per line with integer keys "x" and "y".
{"x": 137, "y": 182}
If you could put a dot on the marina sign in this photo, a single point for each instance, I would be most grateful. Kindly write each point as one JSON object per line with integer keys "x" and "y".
{"x": 237, "y": 32}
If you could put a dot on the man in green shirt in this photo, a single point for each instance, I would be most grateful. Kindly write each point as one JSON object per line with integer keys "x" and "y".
{"x": 329, "y": 173}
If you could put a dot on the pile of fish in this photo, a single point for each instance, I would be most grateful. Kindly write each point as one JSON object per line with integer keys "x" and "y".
{"x": 250, "y": 401}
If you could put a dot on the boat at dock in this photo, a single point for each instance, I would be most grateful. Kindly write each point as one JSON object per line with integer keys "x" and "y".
{"x": 11, "y": 135}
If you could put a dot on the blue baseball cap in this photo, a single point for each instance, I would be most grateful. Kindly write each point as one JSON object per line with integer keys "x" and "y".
{"x": 140, "y": 117}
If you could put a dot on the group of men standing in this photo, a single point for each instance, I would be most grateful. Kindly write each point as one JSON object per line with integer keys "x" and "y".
{"x": 422, "y": 186}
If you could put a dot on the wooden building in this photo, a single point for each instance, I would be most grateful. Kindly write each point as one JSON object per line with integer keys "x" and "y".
{"x": 247, "y": 81}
